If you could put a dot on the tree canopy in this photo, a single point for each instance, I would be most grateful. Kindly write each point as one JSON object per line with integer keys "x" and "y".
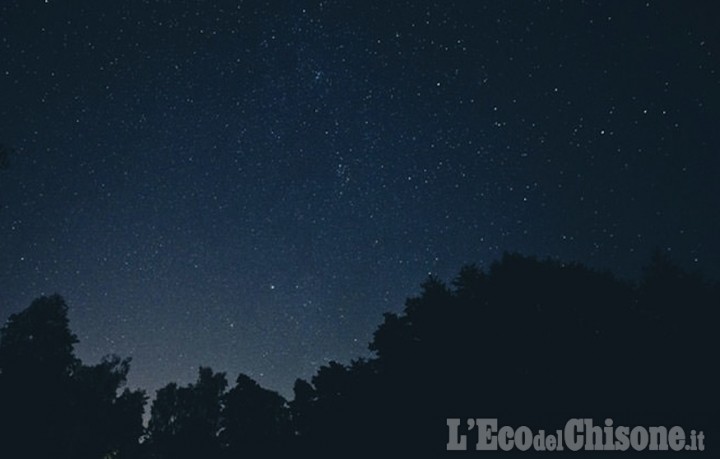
{"x": 526, "y": 340}
{"x": 52, "y": 404}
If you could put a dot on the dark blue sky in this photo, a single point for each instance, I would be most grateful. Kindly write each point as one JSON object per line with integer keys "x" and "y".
{"x": 250, "y": 185}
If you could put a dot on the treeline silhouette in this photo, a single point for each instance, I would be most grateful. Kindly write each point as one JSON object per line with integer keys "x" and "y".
{"x": 529, "y": 342}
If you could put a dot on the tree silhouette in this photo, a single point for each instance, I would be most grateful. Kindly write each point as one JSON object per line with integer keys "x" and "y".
{"x": 185, "y": 421}
{"x": 37, "y": 342}
{"x": 256, "y": 421}
{"x": 106, "y": 422}
{"x": 36, "y": 363}
{"x": 52, "y": 404}
{"x": 531, "y": 342}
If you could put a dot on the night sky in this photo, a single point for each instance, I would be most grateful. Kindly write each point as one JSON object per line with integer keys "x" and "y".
{"x": 250, "y": 185}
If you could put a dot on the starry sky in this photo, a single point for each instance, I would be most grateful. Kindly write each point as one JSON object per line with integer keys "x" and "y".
{"x": 250, "y": 185}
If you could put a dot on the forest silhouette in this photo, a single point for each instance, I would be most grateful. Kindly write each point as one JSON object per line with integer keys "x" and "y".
{"x": 530, "y": 342}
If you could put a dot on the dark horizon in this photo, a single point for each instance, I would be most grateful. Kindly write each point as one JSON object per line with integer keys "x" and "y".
{"x": 367, "y": 353}
{"x": 525, "y": 342}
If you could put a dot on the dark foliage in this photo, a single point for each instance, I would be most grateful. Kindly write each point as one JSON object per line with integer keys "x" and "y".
{"x": 52, "y": 404}
{"x": 532, "y": 343}
{"x": 185, "y": 421}
{"x": 256, "y": 421}
{"x": 529, "y": 342}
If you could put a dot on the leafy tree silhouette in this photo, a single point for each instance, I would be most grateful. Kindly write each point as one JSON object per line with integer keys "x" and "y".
{"x": 106, "y": 422}
{"x": 37, "y": 361}
{"x": 185, "y": 421}
{"x": 205, "y": 420}
{"x": 256, "y": 421}
{"x": 52, "y": 404}
{"x": 529, "y": 342}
